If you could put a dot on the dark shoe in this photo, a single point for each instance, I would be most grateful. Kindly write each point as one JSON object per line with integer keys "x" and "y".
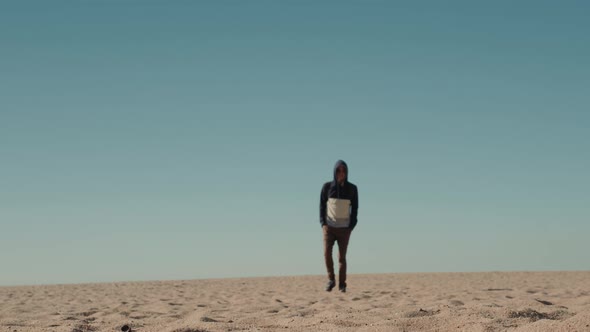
{"x": 342, "y": 287}
{"x": 331, "y": 284}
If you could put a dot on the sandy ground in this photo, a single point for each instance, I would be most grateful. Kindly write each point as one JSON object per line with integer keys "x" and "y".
{"x": 491, "y": 301}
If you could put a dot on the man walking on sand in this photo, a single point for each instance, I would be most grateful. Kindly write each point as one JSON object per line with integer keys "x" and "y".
{"x": 338, "y": 211}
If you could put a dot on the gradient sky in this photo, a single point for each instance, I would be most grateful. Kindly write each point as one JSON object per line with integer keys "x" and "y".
{"x": 145, "y": 140}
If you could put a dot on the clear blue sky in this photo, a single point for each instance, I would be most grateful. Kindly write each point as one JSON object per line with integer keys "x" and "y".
{"x": 190, "y": 139}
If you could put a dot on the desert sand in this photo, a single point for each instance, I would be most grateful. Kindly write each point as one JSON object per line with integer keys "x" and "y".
{"x": 487, "y": 301}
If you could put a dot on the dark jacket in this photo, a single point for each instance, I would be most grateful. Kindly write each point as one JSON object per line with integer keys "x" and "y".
{"x": 345, "y": 191}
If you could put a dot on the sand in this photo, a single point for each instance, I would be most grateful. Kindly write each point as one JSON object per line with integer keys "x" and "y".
{"x": 490, "y": 301}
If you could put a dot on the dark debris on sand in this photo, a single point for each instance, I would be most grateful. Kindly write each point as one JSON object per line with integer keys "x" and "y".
{"x": 534, "y": 315}
{"x": 84, "y": 328}
{"x": 422, "y": 313}
{"x": 544, "y": 302}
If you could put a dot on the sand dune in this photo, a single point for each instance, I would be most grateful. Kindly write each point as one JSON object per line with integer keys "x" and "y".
{"x": 491, "y": 301}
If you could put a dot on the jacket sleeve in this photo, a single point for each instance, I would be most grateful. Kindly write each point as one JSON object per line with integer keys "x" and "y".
{"x": 354, "y": 209}
{"x": 323, "y": 202}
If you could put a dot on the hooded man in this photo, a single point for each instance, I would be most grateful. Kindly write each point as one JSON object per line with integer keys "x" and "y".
{"x": 338, "y": 212}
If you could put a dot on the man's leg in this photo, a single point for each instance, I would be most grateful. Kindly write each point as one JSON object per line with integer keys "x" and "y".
{"x": 342, "y": 238}
{"x": 329, "y": 239}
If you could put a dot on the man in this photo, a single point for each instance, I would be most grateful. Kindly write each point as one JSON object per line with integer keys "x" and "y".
{"x": 338, "y": 212}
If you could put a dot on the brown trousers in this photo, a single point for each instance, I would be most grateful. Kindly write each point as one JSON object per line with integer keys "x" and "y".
{"x": 340, "y": 235}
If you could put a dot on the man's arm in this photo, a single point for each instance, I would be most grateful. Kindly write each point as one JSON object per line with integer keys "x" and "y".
{"x": 323, "y": 201}
{"x": 354, "y": 209}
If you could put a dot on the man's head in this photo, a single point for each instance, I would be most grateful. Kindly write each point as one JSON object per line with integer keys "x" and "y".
{"x": 340, "y": 172}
